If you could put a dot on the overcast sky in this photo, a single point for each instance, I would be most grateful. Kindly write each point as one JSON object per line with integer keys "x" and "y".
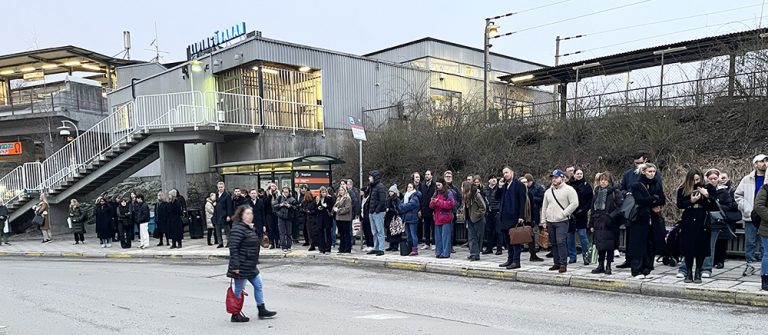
{"x": 360, "y": 27}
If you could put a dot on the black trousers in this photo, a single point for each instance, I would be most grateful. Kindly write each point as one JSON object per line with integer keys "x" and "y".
{"x": 367, "y": 232}
{"x": 273, "y": 230}
{"x": 493, "y": 237}
{"x": 79, "y": 237}
{"x": 123, "y": 232}
{"x": 721, "y": 247}
{"x": 345, "y": 229}
{"x": 322, "y": 238}
{"x": 602, "y": 255}
{"x": 429, "y": 229}
{"x": 642, "y": 255}
{"x": 689, "y": 263}
{"x": 215, "y": 237}
{"x": 305, "y": 231}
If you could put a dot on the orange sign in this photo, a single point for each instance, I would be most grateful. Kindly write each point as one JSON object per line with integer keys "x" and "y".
{"x": 10, "y": 148}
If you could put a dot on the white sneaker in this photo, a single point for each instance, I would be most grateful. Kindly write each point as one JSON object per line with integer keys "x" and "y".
{"x": 425, "y": 247}
{"x": 103, "y": 245}
{"x": 680, "y": 275}
{"x": 432, "y": 248}
{"x": 639, "y": 277}
{"x": 706, "y": 274}
{"x": 109, "y": 245}
{"x": 649, "y": 276}
{"x": 367, "y": 249}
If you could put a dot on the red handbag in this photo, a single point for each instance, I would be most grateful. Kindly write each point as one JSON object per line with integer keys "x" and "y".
{"x": 234, "y": 304}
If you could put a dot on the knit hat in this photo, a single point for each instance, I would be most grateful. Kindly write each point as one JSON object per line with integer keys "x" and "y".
{"x": 393, "y": 188}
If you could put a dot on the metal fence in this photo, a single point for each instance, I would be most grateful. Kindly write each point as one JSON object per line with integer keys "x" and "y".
{"x": 683, "y": 94}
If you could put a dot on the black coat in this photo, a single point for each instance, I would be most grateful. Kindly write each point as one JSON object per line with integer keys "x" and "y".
{"x": 606, "y": 221}
{"x": 141, "y": 212}
{"x": 244, "y": 247}
{"x": 223, "y": 208}
{"x": 161, "y": 217}
{"x": 536, "y": 196}
{"x": 175, "y": 225}
{"x": 325, "y": 214}
{"x": 648, "y": 194}
{"x": 239, "y": 201}
{"x": 354, "y": 195}
{"x": 78, "y": 220}
{"x": 259, "y": 218}
{"x": 124, "y": 215}
{"x": 426, "y": 194}
{"x": 695, "y": 233}
{"x": 284, "y": 212}
{"x": 378, "y": 199}
{"x": 511, "y": 198}
{"x": 104, "y": 221}
{"x": 581, "y": 215}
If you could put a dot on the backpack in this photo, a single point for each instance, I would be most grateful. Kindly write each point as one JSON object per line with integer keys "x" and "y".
{"x": 629, "y": 208}
{"x": 756, "y": 219}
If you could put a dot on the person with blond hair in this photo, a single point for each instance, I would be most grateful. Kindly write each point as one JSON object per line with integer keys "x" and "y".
{"x": 76, "y": 221}
{"x": 41, "y": 215}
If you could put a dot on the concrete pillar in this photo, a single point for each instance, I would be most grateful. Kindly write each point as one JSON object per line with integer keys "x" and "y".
{"x": 58, "y": 214}
{"x": 173, "y": 168}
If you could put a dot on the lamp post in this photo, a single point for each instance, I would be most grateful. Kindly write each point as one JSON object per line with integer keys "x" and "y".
{"x": 64, "y": 132}
{"x": 491, "y": 31}
{"x": 576, "y": 83}
{"x": 661, "y": 76}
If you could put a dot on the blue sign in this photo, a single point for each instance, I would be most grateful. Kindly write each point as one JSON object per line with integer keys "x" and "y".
{"x": 207, "y": 45}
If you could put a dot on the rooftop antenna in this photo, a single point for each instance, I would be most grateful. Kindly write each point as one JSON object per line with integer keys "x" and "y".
{"x": 156, "y": 49}
{"x": 127, "y": 44}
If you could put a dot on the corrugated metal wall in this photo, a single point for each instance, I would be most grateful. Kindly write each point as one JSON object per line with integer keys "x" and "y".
{"x": 350, "y": 83}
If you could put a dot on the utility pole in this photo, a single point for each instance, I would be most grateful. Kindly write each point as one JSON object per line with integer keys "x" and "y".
{"x": 486, "y": 64}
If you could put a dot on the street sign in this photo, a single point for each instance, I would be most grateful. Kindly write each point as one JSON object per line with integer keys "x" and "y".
{"x": 358, "y": 133}
{"x": 10, "y": 148}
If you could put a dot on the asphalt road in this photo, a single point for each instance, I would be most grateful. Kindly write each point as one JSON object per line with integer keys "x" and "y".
{"x": 171, "y": 297}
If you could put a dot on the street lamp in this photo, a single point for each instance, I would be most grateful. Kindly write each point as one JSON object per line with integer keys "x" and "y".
{"x": 64, "y": 132}
{"x": 578, "y": 68}
{"x": 661, "y": 79}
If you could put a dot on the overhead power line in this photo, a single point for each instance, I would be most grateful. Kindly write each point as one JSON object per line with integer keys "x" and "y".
{"x": 575, "y": 17}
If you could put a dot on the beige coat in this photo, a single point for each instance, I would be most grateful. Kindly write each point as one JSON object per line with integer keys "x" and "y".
{"x": 344, "y": 209}
{"x": 209, "y": 214}
{"x": 42, "y": 209}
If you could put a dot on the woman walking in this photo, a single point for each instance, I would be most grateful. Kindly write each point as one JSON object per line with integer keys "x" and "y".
{"x": 475, "y": 208}
{"x": 104, "y": 222}
{"x": 580, "y": 217}
{"x": 409, "y": 211}
{"x": 77, "y": 221}
{"x": 210, "y": 204}
{"x": 442, "y": 204}
{"x": 649, "y": 198}
{"x": 605, "y": 222}
{"x": 343, "y": 210}
{"x": 41, "y": 210}
{"x": 161, "y": 218}
{"x": 696, "y": 200}
{"x": 244, "y": 247}
{"x": 324, "y": 203}
{"x": 175, "y": 225}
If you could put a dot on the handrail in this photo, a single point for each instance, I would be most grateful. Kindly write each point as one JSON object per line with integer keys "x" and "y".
{"x": 157, "y": 112}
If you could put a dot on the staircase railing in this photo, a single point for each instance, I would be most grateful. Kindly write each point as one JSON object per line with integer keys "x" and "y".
{"x": 158, "y": 111}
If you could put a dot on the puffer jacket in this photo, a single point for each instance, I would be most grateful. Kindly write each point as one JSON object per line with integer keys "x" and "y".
{"x": 78, "y": 220}
{"x": 378, "y": 198}
{"x": 142, "y": 212}
{"x": 244, "y": 247}
{"x": 442, "y": 205}
{"x": 409, "y": 211}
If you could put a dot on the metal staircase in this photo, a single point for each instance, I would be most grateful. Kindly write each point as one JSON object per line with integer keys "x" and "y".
{"x": 128, "y": 139}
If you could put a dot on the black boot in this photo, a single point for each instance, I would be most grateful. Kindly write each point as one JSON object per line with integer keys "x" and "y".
{"x": 697, "y": 276}
{"x": 264, "y": 313}
{"x": 239, "y": 318}
{"x": 624, "y": 265}
{"x": 179, "y": 244}
{"x": 688, "y": 277}
{"x": 600, "y": 269}
{"x": 608, "y": 270}
{"x": 765, "y": 282}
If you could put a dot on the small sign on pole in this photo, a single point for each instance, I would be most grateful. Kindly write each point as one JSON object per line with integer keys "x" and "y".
{"x": 358, "y": 133}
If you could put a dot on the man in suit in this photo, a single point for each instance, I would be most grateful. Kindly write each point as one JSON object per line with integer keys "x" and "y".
{"x": 222, "y": 213}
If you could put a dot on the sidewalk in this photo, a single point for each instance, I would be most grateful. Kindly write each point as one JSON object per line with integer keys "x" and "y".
{"x": 726, "y": 285}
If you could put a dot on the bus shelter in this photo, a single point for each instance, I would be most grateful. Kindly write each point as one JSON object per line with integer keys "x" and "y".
{"x": 313, "y": 171}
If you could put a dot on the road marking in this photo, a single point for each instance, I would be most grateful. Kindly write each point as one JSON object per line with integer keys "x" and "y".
{"x": 118, "y": 256}
{"x": 71, "y": 254}
{"x": 381, "y": 317}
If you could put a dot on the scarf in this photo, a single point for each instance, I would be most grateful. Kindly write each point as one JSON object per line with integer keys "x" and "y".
{"x": 407, "y": 196}
{"x": 602, "y": 195}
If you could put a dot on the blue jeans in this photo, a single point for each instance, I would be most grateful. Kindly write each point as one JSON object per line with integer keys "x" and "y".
{"x": 443, "y": 240}
{"x": 377, "y": 228}
{"x": 257, "y": 287}
{"x": 750, "y": 241}
{"x": 710, "y": 260}
{"x": 571, "y": 241}
{"x": 764, "y": 264}
{"x": 410, "y": 231}
{"x": 333, "y": 232}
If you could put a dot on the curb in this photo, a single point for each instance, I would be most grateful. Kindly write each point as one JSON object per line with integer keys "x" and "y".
{"x": 688, "y": 292}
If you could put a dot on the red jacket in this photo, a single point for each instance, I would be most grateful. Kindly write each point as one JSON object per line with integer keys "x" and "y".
{"x": 442, "y": 204}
